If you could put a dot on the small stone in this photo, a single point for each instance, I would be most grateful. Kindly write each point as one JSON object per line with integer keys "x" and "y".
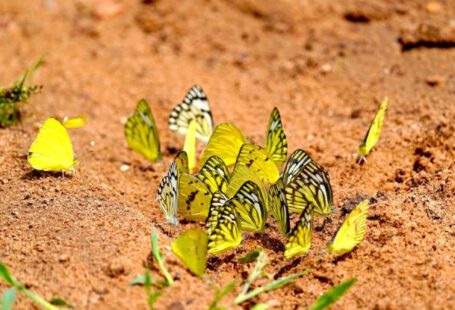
{"x": 176, "y": 305}
{"x": 92, "y": 143}
{"x": 108, "y": 8}
{"x": 124, "y": 168}
{"x": 63, "y": 258}
{"x": 433, "y": 7}
{"x": 326, "y": 68}
{"x": 118, "y": 266}
{"x": 434, "y": 80}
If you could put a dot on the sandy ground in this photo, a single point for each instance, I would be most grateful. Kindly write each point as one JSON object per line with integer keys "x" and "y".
{"x": 325, "y": 64}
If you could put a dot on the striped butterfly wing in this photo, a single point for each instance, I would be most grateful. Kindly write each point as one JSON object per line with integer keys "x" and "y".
{"x": 215, "y": 174}
{"x": 276, "y": 142}
{"x": 298, "y": 159}
{"x": 141, "y": 132}
{"x": 257, "y": 160}
{"x": 251, "y": 207}
{"x": 194, "y": 106}
{"x": 168, "y": 193}
{"x": 216, "y": 206}
{"x": 226, "y": 234}
{"x": 279, "y": 207}
{"x": 300, "y": 238}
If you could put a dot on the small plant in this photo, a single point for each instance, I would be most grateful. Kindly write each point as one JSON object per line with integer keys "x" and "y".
{"x": 18, "y": 93}
{"x": 9, "y": 295}
{"x": 332, "y": 295}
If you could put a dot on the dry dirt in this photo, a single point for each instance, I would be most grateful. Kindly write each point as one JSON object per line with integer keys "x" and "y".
{"x": 325, "y": 64}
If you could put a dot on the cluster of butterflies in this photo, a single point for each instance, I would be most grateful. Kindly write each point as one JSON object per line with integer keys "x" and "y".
{"x": 239, "y": 183}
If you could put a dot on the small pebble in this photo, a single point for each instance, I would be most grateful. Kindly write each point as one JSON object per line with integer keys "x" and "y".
{"x": 124, "y": 168}
{"x": 433, "y": 7}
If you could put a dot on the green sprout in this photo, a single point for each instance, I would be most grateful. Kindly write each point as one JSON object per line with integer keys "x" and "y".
{"x": 9, "y": 295}
{"x": 11, "y": 98}
{"x": 159, "y": 258}
{"x": 332, "y": 295}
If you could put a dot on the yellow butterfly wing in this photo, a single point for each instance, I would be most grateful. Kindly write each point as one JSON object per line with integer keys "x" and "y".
{"x": 298, "y": 159}
{"x": 141, "y": 132}
{"x": 300, "y": 238}
{"x": 226, "y": 234}
{"x": 74, "y": 122}
{"x": 168, "y": 194}
{"x": 250, "y": 207}
{"x": 191, "y": 248}
{"x": 257, "y": 160}
{"x": 190, "y": 145}
{"x": 310, "y": 186}
{"x": 276, "y": 142}
{"x": 373, "y": 132}
{"x": 194, "y": 198}
{"x": 194, "y": 107}
{"x": 215, "y": 174}
{"x": 352, "y": 231}
{"x": 52, "y": 149}
{"x": 225, "y": 142}
{"x": 279, "y": 207}
{"x": 216, "y": 205}
{"x": 181, "y": 160}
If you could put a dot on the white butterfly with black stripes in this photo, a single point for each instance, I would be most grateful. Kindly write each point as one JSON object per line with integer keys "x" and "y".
{"x": 168, "y": 194}
{"x": 194, "y": 106}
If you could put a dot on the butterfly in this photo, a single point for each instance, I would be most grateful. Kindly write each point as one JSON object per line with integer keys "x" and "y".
{"x": 168, "y": 194}
{"x": 311, "y": 186}
{"x": 298, "y": 159}
{"x": 190, "y": 145}
{"x": 257, "y": 160}
{"x": 276, "y": 142}
{"x": 216, "y": 205}
{"x": 74, "y": 122}
{"x": 250, "y": 206}
{"x": 225, "y": 142}
{"x": 191, "y": 248}
{"x": 194, "y": 198}
{"x": 215, "y": 174}
{"x": 373, "y": 132}
{"x": 227, "y": 233}
{"x": 195, "y": 106}
{"x": 52, "y": 149}
{"x": 352, "y": 231}
{"x": 141, "y": 133}
{"x": 279, "y": 207}
{"x": 300, "y": 238}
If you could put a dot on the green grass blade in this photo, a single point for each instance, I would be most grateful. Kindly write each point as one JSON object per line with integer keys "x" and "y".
{"x": 6, "y": 276}
{"x": 60, "y": 302}
{"x": 220, "y": 294}
{"x": 270, "y": 286}
{"x": 260, "y": 307}
{"x": 251, "y": 256}
{"x": 8, "y": 298}
{"x": 38, "y": 299}
{"x": 159, "y": 258}
{"x": 332, "y": 295}
{"x": 262, "y": 261}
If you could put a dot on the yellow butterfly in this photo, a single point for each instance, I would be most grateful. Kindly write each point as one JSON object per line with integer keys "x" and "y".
{"x": 216, "y": 205}
{"x": 195, "y": 106}
{"x": 276, "y": 142}
{"x": 250, "y": 206}
{"x": 227, "y": 233}
{"x": 257, "y": 160}
{"x": 373, "y": 132}
{"x": 311, "y": 186}
{"x": 74, "y": 122}
{"x": 190, "y": 145}
{"x": 352, "y": 231}
{"x": 225, "y": 142}
{"x": 52, "y": 149}
{"x": 191, "y": 248}
{"x": 194, "y": 198}
{"x": 279, "y": 207}
{"x": 215, "y": 174}
{"x": 141, "y": 133}
{"x": 168, "y": 194}
{"x": 181, "y": 160}
{"x": 300, "y": 238}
